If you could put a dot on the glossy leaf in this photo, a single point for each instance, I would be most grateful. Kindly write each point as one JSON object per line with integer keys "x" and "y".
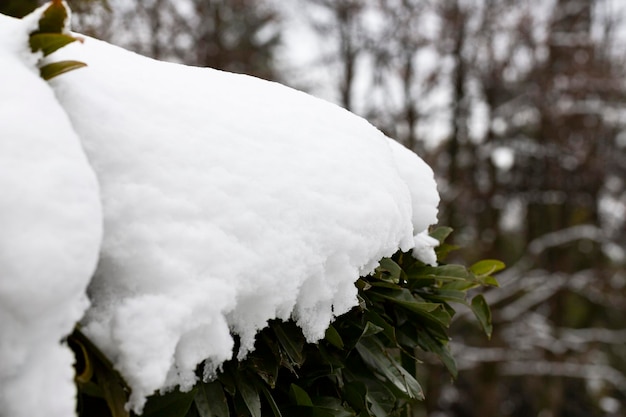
{"x": 378, "y": 320}
{"x": 483, "y": 271}
{"x": 210, "y": 400}
{"x": 370, "y": 330}
{"x": 404, "y": 298}
{"x": 291, "y": 344}
{"x": 379, "y": 398}
{"x": 483, "y": 313}
{"x": 448, "y": 295}
{"x": 54, "y": 18}
{"x": 354, "y": 393}
{"x": 83, "y": 365}
{"x": 249, "y": 394}
{"x": 375, "y": 356}
{"x": 271, "y": 402}
{"x": 441, "y": 233}
{"x": 333, "y": 406}
{"x": 300, "y": 396}
{"x": 54, "y": 69}
{"x": 486, "y": 267}
{"x": 430, "y": 344}
{"x": 333, "y": 337}
{"x": 446, "y": 273}
{"x": 49, "y": 42}
{"x": 172, "y": 404}
{"x": 389, "y": 270}
{"x": 444, "y": 249}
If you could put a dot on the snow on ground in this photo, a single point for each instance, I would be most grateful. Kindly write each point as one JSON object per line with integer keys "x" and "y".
{"x": 228, "y": 201}
{"x": 50, "y": 232}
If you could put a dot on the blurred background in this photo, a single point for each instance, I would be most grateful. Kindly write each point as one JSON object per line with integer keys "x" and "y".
{"x": 519, "y": 107}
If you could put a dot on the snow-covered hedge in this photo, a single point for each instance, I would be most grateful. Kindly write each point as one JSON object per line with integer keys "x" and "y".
{"x": 192, "y": 206}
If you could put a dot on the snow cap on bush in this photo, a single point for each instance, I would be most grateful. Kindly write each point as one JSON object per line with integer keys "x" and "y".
{"x": 228, "y": 201}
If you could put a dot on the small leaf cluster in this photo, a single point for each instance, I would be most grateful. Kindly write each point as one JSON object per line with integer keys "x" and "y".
{"x": 365, "y": 365}
{"x": 51, "y": 35}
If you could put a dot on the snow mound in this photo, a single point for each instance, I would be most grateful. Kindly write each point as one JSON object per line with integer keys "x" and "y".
{"x": 228, "y": 201}
{"x": 50, "y": 233}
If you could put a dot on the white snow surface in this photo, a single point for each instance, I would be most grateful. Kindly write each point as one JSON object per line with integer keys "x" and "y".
{"x": 50, "y": 233}
{"x": 227, "y": 201}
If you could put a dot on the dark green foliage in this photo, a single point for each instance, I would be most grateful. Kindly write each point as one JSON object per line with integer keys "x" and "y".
{"x": 365, "y": 366}
{"x": 17, "y": 8}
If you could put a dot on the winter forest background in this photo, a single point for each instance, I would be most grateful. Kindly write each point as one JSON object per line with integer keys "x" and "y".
{"x": 519, "y": 108}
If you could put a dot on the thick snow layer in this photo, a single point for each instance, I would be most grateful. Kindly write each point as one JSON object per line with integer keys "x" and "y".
{"x": 50, "y": 233}
{"x": 228, "y": 201}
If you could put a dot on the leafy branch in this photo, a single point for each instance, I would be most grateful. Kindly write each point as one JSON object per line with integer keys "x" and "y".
{"x": 51, "y": 35}
{"x": 365, "y": 366}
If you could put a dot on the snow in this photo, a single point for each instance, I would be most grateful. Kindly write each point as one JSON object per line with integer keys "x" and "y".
{"x": 51, "y": 223}
{"x": 227, "y": 201}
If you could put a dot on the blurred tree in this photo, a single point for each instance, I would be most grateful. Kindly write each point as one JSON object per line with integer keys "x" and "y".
{"x": 535, "y": 180}
{"x": 238, "y": 35}
{"x": 341, "y": 20}
{"x": 397, "y": 49}
{"x": 531, "y": 170}
{"x": 234, "y": 35}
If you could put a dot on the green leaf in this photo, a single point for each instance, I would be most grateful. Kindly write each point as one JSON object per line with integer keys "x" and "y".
{"x": 485, "y": 268}
{"x": 292, "y": 343}
{"x": 371, "y": 329}
{"x": 386, "y": 284}
{"x": 405, "y": 299}
{"x": 211, "y": 400}
{"x": 388, "y": 330}
{"x": 172, "y": 404}
{"x": 50, "y": 71}
{"x": 448, "y": 295}
{"x": 354, "y": 392}
{"x": 380, "y": 399}
{"x": 441, "y": 233}
{"x": 363, "y": 285}
{"x": 249, "y": 395}
{"x": 463, "y": 286}
{"x": 272, "y": 402}
{"x": 443, "y": 250}
{"x": 54, "y": 18}
{"x": 489, "y": 280}
{"x": 333, "y": 406}
{"x": 377, "y": 358}
{"x": 300, "y": 396}
{"x": 445, "y": 273}
{"x": 483, "y": 313}
{"x": 112, "y": 391}
{"x": 105, "y": 382}
{"x": 49, "y": 42}
{"x": 437, "y": 346}
{"x": 265, "y": 361}
{"x": 333, "y": 337}
{"x": 389, "y": 270}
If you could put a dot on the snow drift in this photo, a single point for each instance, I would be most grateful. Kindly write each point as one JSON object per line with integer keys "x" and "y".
{"x": 227, "y": 201}
{"x": 50, "y": 233}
